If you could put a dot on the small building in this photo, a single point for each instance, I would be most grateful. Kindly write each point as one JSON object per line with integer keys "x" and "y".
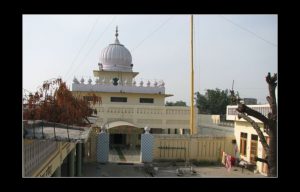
{"x": 247, "y": 139}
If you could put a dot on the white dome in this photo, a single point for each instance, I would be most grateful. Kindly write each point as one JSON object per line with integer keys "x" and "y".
{"x": 116, "y": 57}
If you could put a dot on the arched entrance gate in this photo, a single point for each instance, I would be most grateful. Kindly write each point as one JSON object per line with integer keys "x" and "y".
{"x": 121, "y": 141}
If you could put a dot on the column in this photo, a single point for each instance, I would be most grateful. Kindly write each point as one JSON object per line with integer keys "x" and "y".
{"x": 78, "y": 159}
{"x": 71, "y": 162}
{"x": 147, "y": 141}
{"x": 57, "y": 172}
{"x": 102, "y": 147}
{"x": 133, "y": 140}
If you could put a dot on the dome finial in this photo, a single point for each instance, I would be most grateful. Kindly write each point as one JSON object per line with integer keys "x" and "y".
{"x": 117, "y": 34}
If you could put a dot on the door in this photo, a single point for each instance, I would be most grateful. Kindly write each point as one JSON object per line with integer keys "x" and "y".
{"x": 253, "y": 148}
{"x": 118, "y": 139}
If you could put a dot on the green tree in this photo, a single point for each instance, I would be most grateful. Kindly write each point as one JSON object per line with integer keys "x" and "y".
{"x": 177, "y": 103}
{"x": 213, "y": 102}
{"x": 202, "y": 103}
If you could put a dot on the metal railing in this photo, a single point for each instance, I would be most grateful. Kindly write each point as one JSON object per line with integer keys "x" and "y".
{"x": 36, "y": 153}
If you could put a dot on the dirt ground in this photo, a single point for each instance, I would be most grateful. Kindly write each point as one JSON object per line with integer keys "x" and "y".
{"x": 164, "y": 170}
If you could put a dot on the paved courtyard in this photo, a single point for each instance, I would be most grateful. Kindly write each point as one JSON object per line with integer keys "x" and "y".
{"x": 113, "y": 170}
{"x": 139, "y": 170}
{"x": 126, "y": 163}
{"x": 124, "y": 156}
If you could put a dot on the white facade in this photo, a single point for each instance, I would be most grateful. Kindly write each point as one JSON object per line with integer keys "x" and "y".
{"x": 125, "y": 100}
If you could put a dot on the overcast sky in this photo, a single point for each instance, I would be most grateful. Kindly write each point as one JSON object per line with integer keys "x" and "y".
{"x": 242, "y": 48}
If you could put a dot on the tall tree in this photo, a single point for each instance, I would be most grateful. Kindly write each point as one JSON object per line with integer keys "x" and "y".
{"x": 270, "y": 124}
{"x": 213, "y": 102}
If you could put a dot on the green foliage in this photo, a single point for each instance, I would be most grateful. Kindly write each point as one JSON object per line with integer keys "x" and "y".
{"x": 177, "y": 103}
{"x": 202, "y": 103}
{"x": 213, "y": 102}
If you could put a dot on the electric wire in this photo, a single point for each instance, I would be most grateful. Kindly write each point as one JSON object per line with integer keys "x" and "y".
{"x": 81, "y": 48}
{"x": 247, "y": 30}
{"x": 150, "y": 34}
{"x": 91, "y": 48}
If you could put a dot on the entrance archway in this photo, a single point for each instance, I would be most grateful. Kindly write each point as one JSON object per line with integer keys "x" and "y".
{"x": 124, "y": 142}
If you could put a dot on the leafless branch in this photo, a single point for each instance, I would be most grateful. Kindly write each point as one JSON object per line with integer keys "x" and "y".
{"x": 261, "y": 160}
{"x": 242, "y": 108}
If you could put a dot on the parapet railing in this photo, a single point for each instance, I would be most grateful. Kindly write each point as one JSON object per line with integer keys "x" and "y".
{"x": 35, "y": 153}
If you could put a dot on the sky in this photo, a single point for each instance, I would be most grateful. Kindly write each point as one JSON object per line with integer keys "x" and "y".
{"x": 242, "y": 48}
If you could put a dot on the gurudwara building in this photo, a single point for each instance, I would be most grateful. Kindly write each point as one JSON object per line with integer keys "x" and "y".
{"x": 129, "y": 106}
{"x": 131, "y": 124}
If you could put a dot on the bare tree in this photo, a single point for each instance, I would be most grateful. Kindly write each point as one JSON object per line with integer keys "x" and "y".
{"x": 270, "y": 124}
{"x": 59, "y": 106}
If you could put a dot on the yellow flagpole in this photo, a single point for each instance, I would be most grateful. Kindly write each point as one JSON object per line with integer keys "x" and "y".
{"x": 192, "y": 81}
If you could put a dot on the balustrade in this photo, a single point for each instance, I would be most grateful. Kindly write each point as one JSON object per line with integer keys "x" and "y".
{"x": 36, "y": 153}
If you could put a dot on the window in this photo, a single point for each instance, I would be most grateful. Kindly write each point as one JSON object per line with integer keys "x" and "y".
{"x": 243, "y": 144}
{"x": 254, "y": 137}
{"x": 175, "y": 131}
{"x": 156, "y": 131}
{"x": 118, "y": 99}
{"x": 169, "y": 131}
{"x": 146, "y": 100}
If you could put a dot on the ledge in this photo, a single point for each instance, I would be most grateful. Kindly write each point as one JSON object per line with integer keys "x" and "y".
{"x": 61, "y": 132}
